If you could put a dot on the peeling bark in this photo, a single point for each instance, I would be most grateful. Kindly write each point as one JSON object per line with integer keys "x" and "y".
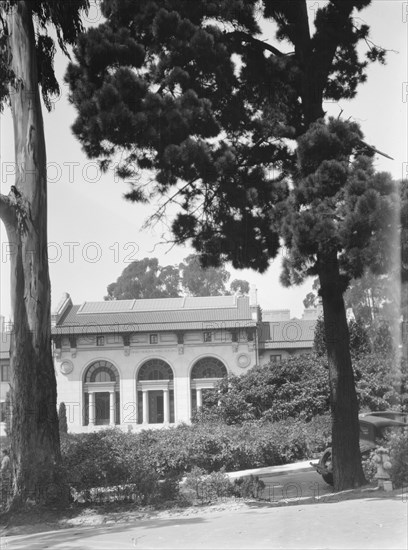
{"x": 35, "y": 450}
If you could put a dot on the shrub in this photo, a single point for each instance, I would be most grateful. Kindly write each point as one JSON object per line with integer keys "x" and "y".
{"x": 109, "y": 458}
{"x": 369, "y": 466}
{"x": 299, "y": 388}
{"x": 398, "y": 448}
{"x": 208, "y": 487}
{"x": 249, "y": 487}
{"x": 381, "y": 382}
{"x": 296, "y": 387}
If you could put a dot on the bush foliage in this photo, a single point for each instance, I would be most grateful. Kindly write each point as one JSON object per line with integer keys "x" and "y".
{"x": 398, "y": 448}
{"x": 299, "y": 388}
{"x": 273, "y": 415}
{"x": 296, "y": 387}
{"x": 143, "y": 460}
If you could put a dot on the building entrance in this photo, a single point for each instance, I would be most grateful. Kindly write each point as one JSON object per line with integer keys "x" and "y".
{"x": 102, "y": 408}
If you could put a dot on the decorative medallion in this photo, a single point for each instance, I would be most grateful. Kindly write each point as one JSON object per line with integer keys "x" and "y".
{"x": 243, "y": 360}
{"x": 66, "y": 367}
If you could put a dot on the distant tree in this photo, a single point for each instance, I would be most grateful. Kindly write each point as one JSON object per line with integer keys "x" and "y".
{"x": 145, "y": 279}
{"x": 358, "y": 335}
{"x": 62, "y": 418}
{"x": 359, "y": 338}
{"x": 240, "y": 286}
{"x": 148, "y": 279}
{"x": 370, "y": 298}
{"x": 199, "y": 281}
{"x": 383, "y": 341}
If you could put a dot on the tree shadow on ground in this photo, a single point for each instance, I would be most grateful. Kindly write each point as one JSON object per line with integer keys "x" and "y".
{"x": 70, "y": 537}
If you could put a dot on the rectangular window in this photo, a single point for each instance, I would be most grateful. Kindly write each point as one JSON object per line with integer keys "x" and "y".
{"x": 275, "y": 358}
{"x": 100, "y": 340}
{"x": 207, "y": 336}
{"x": 5, "y": 373}
{"x": 154, "y": 339}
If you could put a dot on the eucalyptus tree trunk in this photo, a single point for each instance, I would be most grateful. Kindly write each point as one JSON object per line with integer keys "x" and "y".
{"x": 347, "y": 469}
{"x": 35, "y": 446}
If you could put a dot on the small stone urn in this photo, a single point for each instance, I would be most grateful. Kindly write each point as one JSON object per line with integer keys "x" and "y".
{"x": 382, "y": 459}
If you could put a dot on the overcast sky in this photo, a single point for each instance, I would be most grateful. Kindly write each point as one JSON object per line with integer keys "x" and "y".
{"x": 94, "y": 233}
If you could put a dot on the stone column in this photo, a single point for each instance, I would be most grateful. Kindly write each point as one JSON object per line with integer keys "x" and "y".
{"x": 145, "y": 406}
{"x": 166, "y": 406}
{"x": 199, "y": 393}
{"x": 91, "y": 408}
{"x": 112, "y": 408}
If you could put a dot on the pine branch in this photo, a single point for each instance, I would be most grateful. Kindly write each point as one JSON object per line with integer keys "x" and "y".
{"x": 157, "y": 216}
{"x": 246, "y": 37}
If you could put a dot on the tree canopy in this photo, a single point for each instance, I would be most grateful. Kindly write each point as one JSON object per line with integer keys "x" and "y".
{"x": 197, "y": 281}
{"x": 65, "y": 18}
{"x": 147, "y": 279}
{"x": 189, "y": 90}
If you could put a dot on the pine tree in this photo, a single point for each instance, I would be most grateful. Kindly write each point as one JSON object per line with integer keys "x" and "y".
{"x": 192, "y": 91}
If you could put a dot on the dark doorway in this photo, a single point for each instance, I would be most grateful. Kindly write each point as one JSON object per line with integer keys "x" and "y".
{"x": 101, "y": 408}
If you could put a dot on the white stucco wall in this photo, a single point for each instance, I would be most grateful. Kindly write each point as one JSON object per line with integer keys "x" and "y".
{"x": 237, "y": 358}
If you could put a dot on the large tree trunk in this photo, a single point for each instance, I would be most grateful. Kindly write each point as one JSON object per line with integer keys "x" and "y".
{"x": 35, "y": 450}
{"x": 347, "y": 469}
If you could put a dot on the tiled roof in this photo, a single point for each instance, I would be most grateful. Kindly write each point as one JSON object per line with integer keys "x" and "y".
{"x": 176, "y": 314}
{"x": 287, "y": 333}
{"x": 158, "y": 304}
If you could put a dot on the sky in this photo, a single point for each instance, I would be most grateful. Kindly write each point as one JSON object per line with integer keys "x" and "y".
{"x": 94, "y": 233}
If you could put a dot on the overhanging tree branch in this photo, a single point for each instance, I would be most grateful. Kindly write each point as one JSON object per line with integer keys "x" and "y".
{"x": 161, "y": 210}
{"x": 245, "y": 37}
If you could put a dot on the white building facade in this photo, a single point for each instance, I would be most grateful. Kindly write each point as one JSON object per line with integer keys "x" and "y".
{"x": 147, "y": 363}
{"x": 140, "y": 364}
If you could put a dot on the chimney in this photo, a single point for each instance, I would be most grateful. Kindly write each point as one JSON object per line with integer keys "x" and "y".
{"x": 253, "y": 295}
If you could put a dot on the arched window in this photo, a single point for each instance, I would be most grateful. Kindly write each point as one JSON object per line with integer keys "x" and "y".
{"x": 208, "y": 367}
{"x": 101, "y": 371}
{"x": 203, "y": 373}
{"x": 101, "y": 394}
{"x": 155, "y": 393}
{"x": 155, "y": 369}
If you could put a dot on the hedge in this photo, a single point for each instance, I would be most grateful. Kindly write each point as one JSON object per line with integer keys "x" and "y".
{"x": 111, "y": 457}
